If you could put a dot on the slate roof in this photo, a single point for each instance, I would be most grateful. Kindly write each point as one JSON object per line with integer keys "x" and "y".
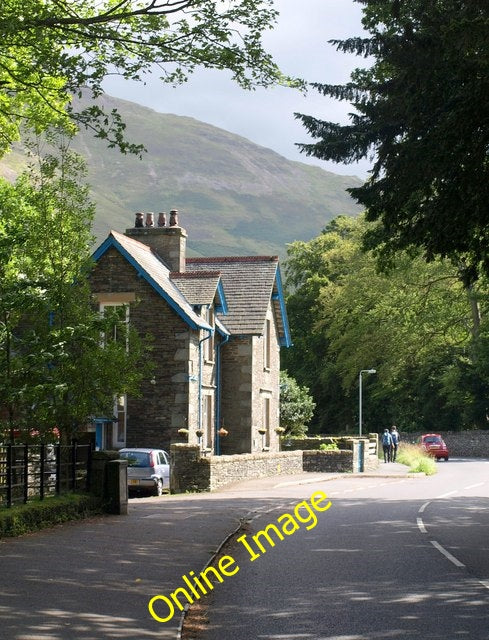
{"x": 249, "y": 283}
{"x": 155, "y": 272}
{"x": 198, "y": 287}
{"x": 242, "y": 285}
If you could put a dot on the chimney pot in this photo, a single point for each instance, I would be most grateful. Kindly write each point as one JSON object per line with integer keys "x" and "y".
{"x": 139, "y": 219}
{"x": 162, "y": 219}
{"x": 174, "y": 218}
{"x": 150, "y": 221}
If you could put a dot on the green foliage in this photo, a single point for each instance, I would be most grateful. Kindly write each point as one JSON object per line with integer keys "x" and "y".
{"x": 51, "y": 50}
{"x": 332, "y": 446}
{"x": 414, "y": 325}
{"x": 54, "y": 369}
{"x": 416, "y": 459}
{"x": 38, "y": 514}
{"x": 419, "y": 111}
{"x": 296, "y": 406}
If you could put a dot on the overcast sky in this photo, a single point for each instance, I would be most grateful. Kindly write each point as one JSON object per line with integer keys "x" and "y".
{"x": 299, "y": 44}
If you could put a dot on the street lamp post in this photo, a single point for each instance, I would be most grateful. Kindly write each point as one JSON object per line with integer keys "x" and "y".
{"x": 360, "y": 398}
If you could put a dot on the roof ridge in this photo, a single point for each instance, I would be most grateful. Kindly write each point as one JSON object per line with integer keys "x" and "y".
{"x": 195, "y": 274}
{"x": 211, "y": 259}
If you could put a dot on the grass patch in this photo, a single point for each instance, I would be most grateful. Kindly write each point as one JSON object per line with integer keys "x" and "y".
{"x": 416, "y": 459}
{"x": 39, "y": 514}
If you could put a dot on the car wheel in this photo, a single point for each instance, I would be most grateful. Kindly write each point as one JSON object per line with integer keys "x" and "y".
{"x": 446, "y": 459}
{"x": 158, "y": 490}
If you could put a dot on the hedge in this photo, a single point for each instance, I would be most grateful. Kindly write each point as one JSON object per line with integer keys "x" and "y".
{"x": 38, "y": 514}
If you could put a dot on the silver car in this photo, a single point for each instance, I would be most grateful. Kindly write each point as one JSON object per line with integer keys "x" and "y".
{"x": 147, "y": 470}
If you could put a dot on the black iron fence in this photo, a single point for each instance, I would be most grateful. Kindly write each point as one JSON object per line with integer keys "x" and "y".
{"x": 38, "y": 470}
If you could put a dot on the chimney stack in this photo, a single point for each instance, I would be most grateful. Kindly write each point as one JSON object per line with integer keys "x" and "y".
{"x": 162, "y": 219}
{"x": 139, "y": 220}
{"x": 169, "y": 242}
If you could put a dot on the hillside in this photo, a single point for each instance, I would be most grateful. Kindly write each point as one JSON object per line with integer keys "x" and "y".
{"x": 234, "y": 196}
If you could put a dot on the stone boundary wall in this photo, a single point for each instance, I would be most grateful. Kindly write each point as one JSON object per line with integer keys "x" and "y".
{"x": 327, "y": 461}
{"x": 370, "y": 460}
{"x": 228, "y": 469}
{"x": 190, "y": 471}
{"x": 461, "y": 444}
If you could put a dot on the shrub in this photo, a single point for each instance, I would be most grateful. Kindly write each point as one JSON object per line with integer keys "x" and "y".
{"x": 332, "y": 446}
{"x": 416, "y": 459}
{"x": 38, "y": 514}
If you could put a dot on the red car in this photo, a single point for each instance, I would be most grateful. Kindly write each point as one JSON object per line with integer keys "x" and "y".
{"x": 434, "y": 445}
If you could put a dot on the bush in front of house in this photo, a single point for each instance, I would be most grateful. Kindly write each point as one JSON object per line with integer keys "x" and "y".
{"x": 38, "y": 514}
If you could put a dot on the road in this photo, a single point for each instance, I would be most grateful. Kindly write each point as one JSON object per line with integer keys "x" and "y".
{"x": 367, "y": 570}
{"x": 391, "y": 559}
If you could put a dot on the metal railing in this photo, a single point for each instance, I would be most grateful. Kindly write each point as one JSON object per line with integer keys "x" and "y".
{"x": 38, "y": 470}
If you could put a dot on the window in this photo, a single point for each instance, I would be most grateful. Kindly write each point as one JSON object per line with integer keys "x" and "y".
{"x": 117, "y": 316}
{"x": 266, "y": 420}
{"x": 207, "y": 419}
{"x": 120, "y": 412}
{"x": 209, "y": 343}
{"x": 267, "y": 344}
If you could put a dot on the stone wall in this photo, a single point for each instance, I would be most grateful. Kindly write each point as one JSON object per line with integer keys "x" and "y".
{"x": 369, "y": 461}
{"x": 190, "y": 471}
{"x": 228, "y": 469}
{"x": 328, "y": 461}
{"x": 461, "y": 444}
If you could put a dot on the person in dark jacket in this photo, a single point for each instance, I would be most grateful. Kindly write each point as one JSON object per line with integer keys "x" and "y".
{"x": 395, "y": 442}
{"x": 387, "y": 445}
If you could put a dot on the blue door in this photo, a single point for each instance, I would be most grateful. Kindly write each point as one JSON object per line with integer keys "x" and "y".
{"x": 99, "y": 436}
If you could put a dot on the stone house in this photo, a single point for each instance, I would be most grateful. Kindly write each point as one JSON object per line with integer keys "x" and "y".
{"x": 217, "y": 326}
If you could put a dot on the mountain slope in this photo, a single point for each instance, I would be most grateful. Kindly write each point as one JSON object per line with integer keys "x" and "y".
{"x": 234, "y": 196}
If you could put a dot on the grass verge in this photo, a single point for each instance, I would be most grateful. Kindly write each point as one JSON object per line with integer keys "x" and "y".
{"x": 416, "y": 459}
{"x": 38, "y": 514}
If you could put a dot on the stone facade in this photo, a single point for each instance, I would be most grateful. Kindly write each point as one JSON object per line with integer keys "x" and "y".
{"x": 206, "y": 375}
{"x": 250, "y": 393}
{"x": 168, "y": 401}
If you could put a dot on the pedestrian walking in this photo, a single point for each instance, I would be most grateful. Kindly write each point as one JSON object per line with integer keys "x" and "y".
{"x": 387, "y": 445}
{"x": 396, "y": 438}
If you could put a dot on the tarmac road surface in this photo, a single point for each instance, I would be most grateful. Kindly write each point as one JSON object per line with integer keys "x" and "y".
{"x": 93, "y": 580}
{"x": 391, "y": 559}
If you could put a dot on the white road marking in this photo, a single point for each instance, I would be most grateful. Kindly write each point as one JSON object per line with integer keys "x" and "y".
{"x": 473, "y": 486}
{"x": 421, "y": 526}
{"x": 422, "y": 508}
{"x": 447, "y": 554}
{"x": 445, "y": 495}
